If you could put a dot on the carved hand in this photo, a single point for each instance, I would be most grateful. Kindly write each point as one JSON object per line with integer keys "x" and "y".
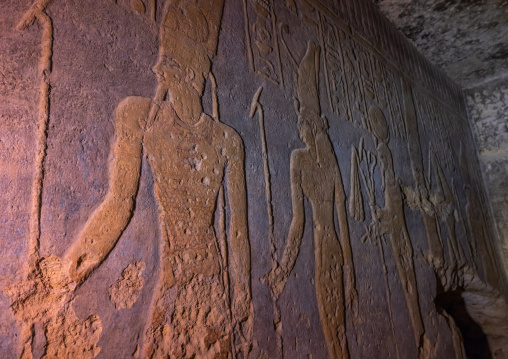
{"x": 276, "y": 279}
{"x": 351, "y": 293}
{"x": 243, "y": 317}
{"x": 43, "y": 293}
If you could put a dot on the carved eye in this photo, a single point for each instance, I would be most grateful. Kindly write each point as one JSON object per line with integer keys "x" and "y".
{"x": 168, "y": 61}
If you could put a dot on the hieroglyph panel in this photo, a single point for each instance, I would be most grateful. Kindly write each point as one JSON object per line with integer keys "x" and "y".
{"x": 275, "y": 187}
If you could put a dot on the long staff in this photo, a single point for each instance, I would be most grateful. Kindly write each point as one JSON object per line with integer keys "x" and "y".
{"x": 37, "y": 12}
{"x": 257, "y": 107}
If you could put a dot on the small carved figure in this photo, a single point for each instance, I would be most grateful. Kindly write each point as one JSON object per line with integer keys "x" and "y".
{"x": 391, "y": 221}
{"x": 315, "y": 174}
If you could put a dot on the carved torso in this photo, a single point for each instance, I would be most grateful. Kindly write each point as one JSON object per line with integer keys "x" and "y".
{"x": 188, "y": 163}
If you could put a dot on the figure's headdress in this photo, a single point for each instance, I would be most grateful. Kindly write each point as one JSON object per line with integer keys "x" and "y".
{"x": 190, "y": 31}
{"x": 308, "y": 72}
{"x": 308, "y": 104}
{"x": 378, "y": 124}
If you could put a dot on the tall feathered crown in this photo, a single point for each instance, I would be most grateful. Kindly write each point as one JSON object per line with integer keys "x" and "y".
{"x": 190, "y": 31}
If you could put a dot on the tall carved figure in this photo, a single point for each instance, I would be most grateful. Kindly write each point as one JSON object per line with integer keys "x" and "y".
{"x": 478, "y": 228}
{"x": 315, "y": 174}
{"x": 392, "y": 223}
{"x": 190, "y": 154}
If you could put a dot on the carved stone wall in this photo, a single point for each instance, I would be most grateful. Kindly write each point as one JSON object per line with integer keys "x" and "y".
{"x": 221, "y": 179}
{"x": 488, "y": 111}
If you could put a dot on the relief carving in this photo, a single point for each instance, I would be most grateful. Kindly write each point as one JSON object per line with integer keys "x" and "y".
{"x": 36, "y": 12}
{"x": 256, "y": 107}
{"x": 390, "y": 221}
{"x": 420, "y": 195}
{"x": 201, "y": 304}
{"x": 315, "y": 174}
{"x": 125, "y": 292}
{"x": 194, "y": 312}
{"x": 263, "y": 40}
{"x": 477, "y": 226}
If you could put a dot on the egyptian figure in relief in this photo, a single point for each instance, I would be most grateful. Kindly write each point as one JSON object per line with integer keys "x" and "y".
{"x": 390, "y": 221}
{"x": 477, "y": 225}
{"x": 315, "y": 174}
{"x": 190, "y": 154}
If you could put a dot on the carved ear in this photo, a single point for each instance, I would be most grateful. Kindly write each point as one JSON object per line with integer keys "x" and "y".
{"x": 189, "y": 74}
{"x": 296, "y": 103}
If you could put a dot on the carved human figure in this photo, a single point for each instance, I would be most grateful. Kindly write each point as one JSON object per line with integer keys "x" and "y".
{"x": 391, "y": 222}
{"x": 480, "y": 233}
{"x": 421, "y": 192}
{"x": 315, "y": 174}
{"x": 480, "y": 241}
{"x": 443, "y": 203}
{"x": 190, "y": 155}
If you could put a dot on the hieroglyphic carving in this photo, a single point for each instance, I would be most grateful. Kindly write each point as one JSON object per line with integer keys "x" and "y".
{"x": 125, "y": 292}
{"x": 315, "y": 174}
{"x": 355, "y": 93}
{"x": 262, "y": 40}
{"x": 437, "y": 123}
{"x": 334, "y": 69}
{"x": 309, "y": 13}
{"x": 394, "y": 95}
{"x": 344, "y": 74}
{"x": 138, "y": 6}
{"x": 191, "y": 156}
{"x": 390, "y": 221}
{"x": 379, "y": 79}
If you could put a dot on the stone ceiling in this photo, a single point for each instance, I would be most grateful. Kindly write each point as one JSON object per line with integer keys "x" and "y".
{"x": 467, "y": 39}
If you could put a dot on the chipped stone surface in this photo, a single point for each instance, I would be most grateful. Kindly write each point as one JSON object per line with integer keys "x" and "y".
{"x": 466, "y": 39}
{"x": 488, "y": 107}
{"x": 269, "y": 179}
{"x": 68, "y": 336}
{"x": 125, "y": 292}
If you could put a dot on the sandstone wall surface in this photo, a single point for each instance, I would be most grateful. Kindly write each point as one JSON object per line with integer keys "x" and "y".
{"x": 219, "y": 179}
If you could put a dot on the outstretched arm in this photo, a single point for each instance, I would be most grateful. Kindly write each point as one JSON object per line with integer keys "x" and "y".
{"x": 242, "y": 310}
{"x": 278, "y": 276}
{"x": 105, "y": 226}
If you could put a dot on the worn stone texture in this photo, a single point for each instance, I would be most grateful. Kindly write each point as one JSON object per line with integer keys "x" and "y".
{"x": 249, "y": 179}
{"x": 466, "y": 39}
{"x": 488, "y": 107}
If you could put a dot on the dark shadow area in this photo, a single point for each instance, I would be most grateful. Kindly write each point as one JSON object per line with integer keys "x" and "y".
{"x": 475, "y": 340}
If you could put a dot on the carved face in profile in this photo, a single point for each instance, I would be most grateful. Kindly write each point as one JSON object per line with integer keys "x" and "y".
{"x": 378, "y": 124}
{"x": 173, "y": 73}
{"x": 305, "y": 131}
{"x": 309, "y": 123}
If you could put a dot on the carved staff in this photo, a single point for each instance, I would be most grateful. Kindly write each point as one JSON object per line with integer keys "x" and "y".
{"x": 36, "y": 12}
{"x": 257, "y": 107}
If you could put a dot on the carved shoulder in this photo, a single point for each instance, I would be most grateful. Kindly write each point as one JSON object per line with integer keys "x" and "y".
{"x": 297, "y": 157}
{"x": 232, "y": 141}
{"x": 132, "y": 112}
